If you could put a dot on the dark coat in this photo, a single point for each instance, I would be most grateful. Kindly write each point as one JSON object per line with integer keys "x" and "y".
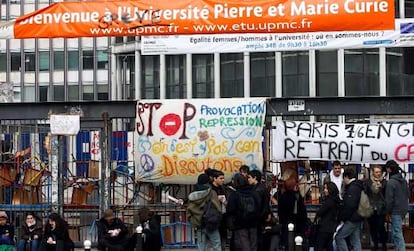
{"x": 328, "y": 214}
{"x": 152, "y": 233}
{"x": 286, "y": 208}
{"x": 112, "y": 242}
{"x": 352, "y": 195}
{"x": 60, "y": 234}
{"x": 264, "y": 206}
{"x": 396, "y": 195}
{"x": 27, "y": 232}
{"x": 376, "y": 196}
{"x": 7, "y": 234}
{"x": 233, "y": 208}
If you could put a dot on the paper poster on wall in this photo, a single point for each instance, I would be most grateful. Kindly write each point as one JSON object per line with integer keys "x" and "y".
{"x": 178, "y": 139}
{"x": 351, "y": 143}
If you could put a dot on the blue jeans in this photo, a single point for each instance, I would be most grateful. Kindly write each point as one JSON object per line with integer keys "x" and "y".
{"x": 396, "y": 232}
{"x": 351, "y": 230}
{"x": 23, "y": 243}
{"x": 208, "y": 239}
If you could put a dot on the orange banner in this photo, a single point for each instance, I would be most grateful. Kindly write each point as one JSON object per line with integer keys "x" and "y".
{"x": 159, "y": 17}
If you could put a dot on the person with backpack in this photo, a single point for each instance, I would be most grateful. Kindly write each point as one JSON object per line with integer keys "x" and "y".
{"x": 375, "y": 187}
{"x": 350, "y": 220}
{"x": 243, "y": 206}
{"x": 201, "y": 199}
{"x": 396, "y": 202}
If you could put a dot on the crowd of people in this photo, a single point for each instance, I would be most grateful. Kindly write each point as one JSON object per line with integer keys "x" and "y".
{"x": 239, "y": 215}
{"x": 263, "y": 229}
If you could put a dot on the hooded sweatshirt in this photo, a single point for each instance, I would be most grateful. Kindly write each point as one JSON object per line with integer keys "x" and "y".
{"x": 396, "y": 195}
{"x": 196, "y": 202}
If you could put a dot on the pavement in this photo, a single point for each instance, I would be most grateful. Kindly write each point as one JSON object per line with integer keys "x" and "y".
{"x": 410, "y": 246}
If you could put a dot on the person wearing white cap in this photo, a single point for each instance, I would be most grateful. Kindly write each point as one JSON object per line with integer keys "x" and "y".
{"x": 6, "y": 233}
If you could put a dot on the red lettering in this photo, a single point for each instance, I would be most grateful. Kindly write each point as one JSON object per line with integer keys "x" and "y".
{"x": 404, "y": 152}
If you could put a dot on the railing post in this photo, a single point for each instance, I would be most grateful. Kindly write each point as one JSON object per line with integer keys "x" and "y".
{"x": 139, "y": 238}
{"x": 87, "y": 244}
{"x": 298, "y": 243}
{"x": 291, "y": 235}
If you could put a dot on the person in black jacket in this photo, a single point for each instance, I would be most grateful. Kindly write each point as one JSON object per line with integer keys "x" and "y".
{"x": 245, "y": 225}
{"x": 56, "y": 235}
{"x": 327, "y": 217}
{"x": 31, "y": 232}
{"x": 350, "y": 220}
{"x": 6, "y": 232}
{"x": 151, "y": 223}
{"x": 254, "y": 178}
{"x": 113, "y": 234}
{"x": 291, "y": 209}
{"x": 396, "y": 202}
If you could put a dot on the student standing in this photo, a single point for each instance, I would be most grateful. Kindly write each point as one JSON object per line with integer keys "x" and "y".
{"x": 396, "y": 201}
{"x": 376, "y": 186}
{"x": 327, "y": 216}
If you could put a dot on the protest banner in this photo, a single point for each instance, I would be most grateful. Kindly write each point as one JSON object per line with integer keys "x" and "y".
{"x": 351, "y": 143}
{"x": 178, "y": 139}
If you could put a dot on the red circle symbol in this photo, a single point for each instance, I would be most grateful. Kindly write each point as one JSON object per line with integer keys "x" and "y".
{"x": 170, "y": 124}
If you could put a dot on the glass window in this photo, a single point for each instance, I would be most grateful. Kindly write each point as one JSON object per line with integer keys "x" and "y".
{"x": 231, "y": 75}
{"x": 409, "y": 8}
{"x": 59, "y": 93}
{"x": 150, "y": 88}
{"x": 15, "y": 61}
{"x": 29, "y": 93}
{"x": 102, "y": 92}
{"x": 102, "y": 58}
{"x": 73, "y": 60}
{"x": 3, "y": 62}
{"x": 362, "y": 72}
{"x": 295, "y": 70}
{"x": 400, "y": 71}
{"x": 44, "y": 61}
{"x": 203, "y": 76}
{"x": 176, "y": 81}
{"x": 128, "y": 76}
{"x": 326, "y": 73}
{"x": 119, "y": 40}
{"x": 43, "y": 93}
{"x": 30, "y": 61}
{"x": 87, "y": 58}
{"x": 58, "y": 60}
{"x": 73, "y": 92}
{"x": 88, "y": 92}
{"x": 262, "y": 74}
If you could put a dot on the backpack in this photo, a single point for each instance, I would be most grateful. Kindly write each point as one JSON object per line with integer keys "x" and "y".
{"x": 211, "y": 217}
{"x": 365, "y": 209}
{"x": 249, "y": 209}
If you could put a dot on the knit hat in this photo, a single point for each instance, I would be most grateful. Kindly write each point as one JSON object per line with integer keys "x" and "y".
{"x": 108, "y": 214}
{"x": 3, "y": 214}
{"x": 202, "y": 179}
